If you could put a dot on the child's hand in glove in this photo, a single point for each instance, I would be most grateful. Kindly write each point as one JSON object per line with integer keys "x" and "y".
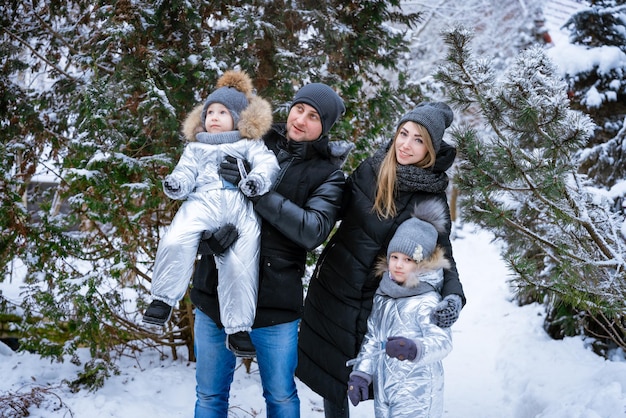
{"x": 171, "y": 185}
{"x": 251, "y": 186}
{"x": 357, "y": 389}
{"x": 403, "y": 348}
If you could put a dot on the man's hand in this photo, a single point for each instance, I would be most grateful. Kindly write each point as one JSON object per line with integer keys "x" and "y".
{"x": 217, "y": 241}
{"x": 230, "y": 171}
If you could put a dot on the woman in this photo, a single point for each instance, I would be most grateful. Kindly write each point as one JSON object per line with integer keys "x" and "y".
{"x": 380, "y": 195}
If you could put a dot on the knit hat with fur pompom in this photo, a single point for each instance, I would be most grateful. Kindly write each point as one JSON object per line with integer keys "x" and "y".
{"x": 232, "y": 91}
{"x": 417, "y": 236}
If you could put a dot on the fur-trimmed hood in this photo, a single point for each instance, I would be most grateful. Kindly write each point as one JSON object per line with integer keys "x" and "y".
{"x": 254, "y": 121}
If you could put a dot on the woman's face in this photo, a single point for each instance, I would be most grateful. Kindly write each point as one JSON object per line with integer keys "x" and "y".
{"x": 409, "y": 145}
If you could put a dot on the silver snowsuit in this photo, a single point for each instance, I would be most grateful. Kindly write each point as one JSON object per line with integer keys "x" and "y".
{"x": 406, "y": 389}
{"x": 210, "y": 203}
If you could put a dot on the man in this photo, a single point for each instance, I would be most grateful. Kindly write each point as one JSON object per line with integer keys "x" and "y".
{"x": 297, "y": 215}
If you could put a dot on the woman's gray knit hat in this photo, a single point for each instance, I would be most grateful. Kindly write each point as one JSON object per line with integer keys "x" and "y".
{"x": 324, "y": 99}
{"x": 234, "y": 100}
{"x": 417, "y": 236}
{"x": 434, "y": 116}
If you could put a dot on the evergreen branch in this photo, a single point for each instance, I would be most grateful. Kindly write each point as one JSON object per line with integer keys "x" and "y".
{"x": 531, "y": 234}
{"x": 69, "y": 47}
{"x": 590, "y": 227}
{"x": 36, "y": 53}
{"x": 616, "y": 336}
{"x": 573, "y": 204}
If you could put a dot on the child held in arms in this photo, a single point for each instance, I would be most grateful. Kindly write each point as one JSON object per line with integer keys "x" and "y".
{"x": 231, "y": 122}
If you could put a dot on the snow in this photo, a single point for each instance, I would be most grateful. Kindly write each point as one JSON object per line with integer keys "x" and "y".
{"x": 503, "y": 364}
{"x": 573, "y": 59}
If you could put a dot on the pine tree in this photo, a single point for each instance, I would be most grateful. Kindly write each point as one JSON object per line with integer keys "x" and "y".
{"x": 93, "y": 95}
{"x": 519, "y": 178}
{"x": 601, "y": 90}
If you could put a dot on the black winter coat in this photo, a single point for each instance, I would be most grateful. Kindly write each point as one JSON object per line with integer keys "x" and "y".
{"x": 340, "y": 295}
{"x": 297, "y": 215}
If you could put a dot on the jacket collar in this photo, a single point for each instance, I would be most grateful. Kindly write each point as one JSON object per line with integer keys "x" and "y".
{"x": 304, "y": 150}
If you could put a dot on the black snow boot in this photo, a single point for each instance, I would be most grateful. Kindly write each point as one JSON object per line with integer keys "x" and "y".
{"x": 158, "y": 313}
{"x": 241, "y": 344}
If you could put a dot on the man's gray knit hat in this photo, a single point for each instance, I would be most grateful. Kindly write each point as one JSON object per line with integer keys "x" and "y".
{"x": 417, "y": 236}
{"x": 434, "y": 116}
{"x": 324, "y": 99}
{"x": 234, "y": 100}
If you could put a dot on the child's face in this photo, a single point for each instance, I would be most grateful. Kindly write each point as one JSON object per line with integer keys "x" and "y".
{"x": 409, "y": 145}
{"x": 218, "y": 119}
{"x": 400, "y": 266}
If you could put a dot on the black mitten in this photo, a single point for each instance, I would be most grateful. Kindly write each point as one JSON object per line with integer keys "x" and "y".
{"x": 218, "y": 241}
{"x": 230, "y": 171}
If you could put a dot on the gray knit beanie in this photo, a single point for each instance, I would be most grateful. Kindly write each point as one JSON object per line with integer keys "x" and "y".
{"x": 417, "y": 236}
{"x": 434, "y": 116}
{"x": 324, "y": 99}
{"x": 234, "y": 100}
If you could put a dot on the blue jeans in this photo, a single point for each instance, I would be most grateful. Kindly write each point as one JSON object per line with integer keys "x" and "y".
{"x": 277, "y": 356}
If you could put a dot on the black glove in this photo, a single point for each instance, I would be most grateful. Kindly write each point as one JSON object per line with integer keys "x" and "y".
{"x": 401, "y": 348}
{"x": 218, "y": 241}
{"x": 229, "y": 170}
{"x": 250, "y": 186}
{"x": 447, "y": 311}
{"x": 171, "y": 185}
{"x": 357, "y": 389}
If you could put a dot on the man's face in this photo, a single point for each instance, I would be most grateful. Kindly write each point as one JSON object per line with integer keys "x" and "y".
{"x": 303, "y": 123}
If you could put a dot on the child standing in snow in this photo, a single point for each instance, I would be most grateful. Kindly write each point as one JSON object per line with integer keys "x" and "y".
{"x": 402, "y": 350}
{"x": 231, "y": 122}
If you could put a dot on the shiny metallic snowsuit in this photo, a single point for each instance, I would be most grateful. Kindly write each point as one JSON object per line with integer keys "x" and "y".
{"x": 406, "y": 389}
{"x": 212, "y": 202}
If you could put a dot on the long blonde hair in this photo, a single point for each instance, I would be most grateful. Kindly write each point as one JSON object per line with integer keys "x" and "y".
{"x": 386, "y": 187}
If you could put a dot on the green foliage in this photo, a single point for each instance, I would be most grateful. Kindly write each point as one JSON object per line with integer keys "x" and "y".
{"x": 601, "y": 91}
{"x": 94, "y": 375}
{"x": 91, "y": 99}
{"x": 520, "y": 181}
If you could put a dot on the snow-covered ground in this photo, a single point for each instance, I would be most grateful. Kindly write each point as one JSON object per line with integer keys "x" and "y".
{"x": 503, "y": 365}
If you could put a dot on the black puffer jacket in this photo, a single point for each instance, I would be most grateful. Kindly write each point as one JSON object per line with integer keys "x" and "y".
{"x": 297, "y": 215}
{"x": 340, "y": 295}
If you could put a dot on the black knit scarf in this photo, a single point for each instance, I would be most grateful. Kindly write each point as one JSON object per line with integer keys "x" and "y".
{"x": 411, "y": 178}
